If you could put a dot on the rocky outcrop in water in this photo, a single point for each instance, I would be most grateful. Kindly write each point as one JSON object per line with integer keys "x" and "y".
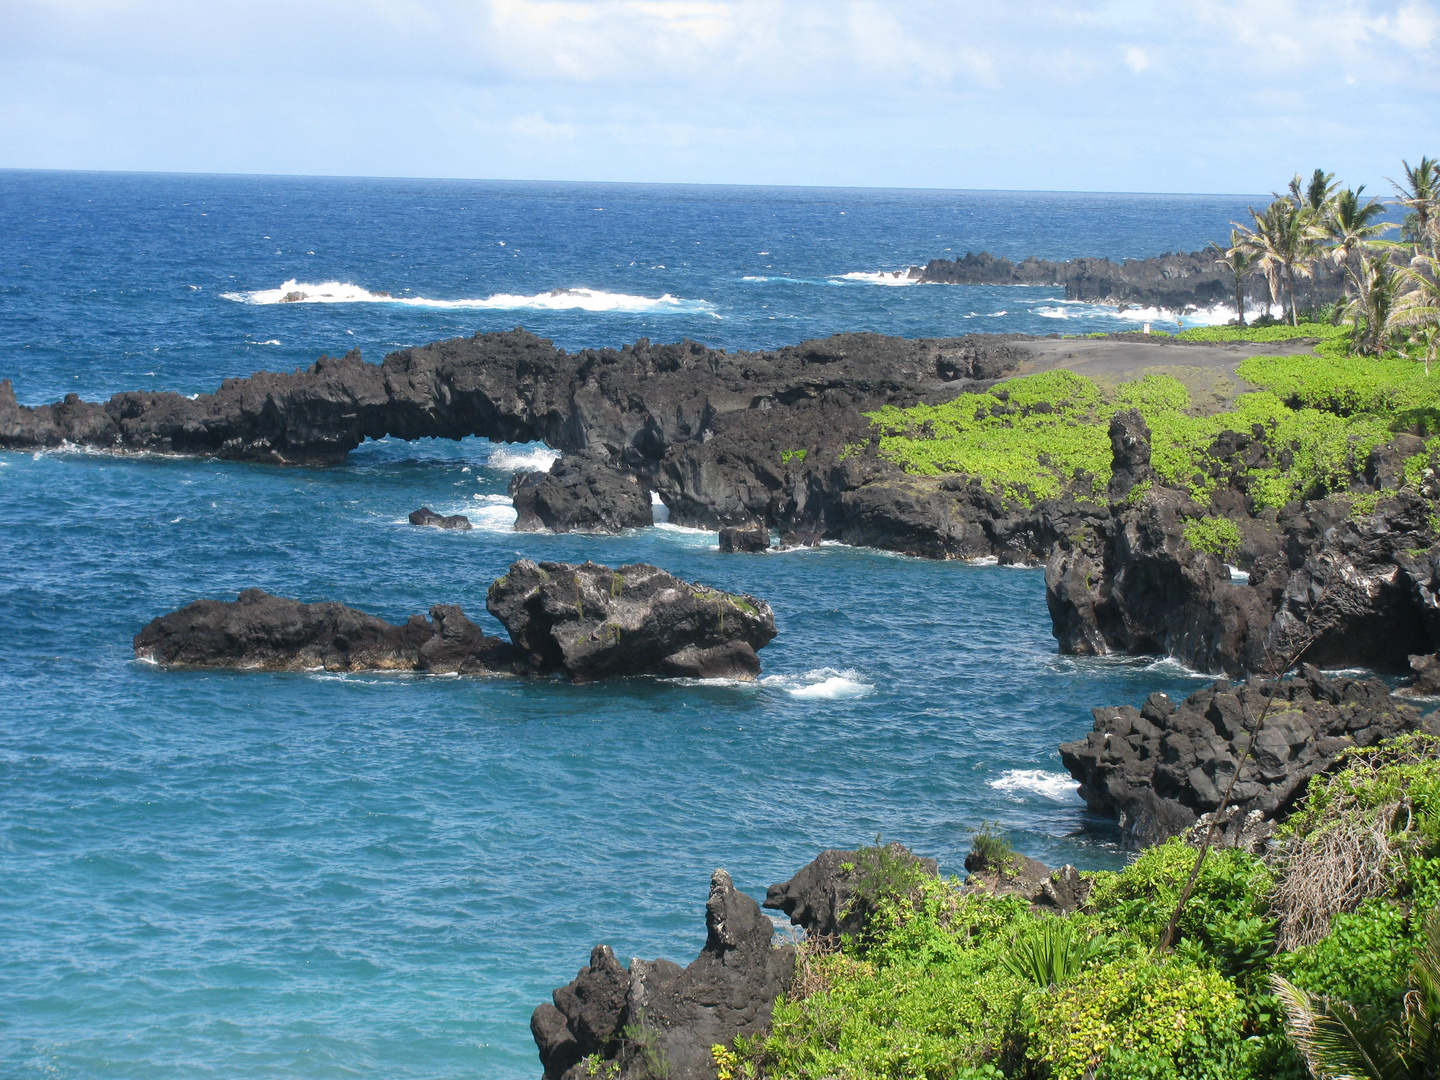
{"x": 581, "y": 493}
{"x": 593, "y": 622}
{"x": 1173, "y": 282}
{"x": 744, "y": 538}
{"x": 587, "y": 622}
{"x": 1159, "y": 768}
{"x": 426, "y": 517}
{"x": 273, "y": 633}
{"x": 723, "y": 438}
{"x": 658, "y": 1021}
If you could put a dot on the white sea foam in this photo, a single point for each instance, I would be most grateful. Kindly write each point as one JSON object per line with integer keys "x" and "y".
{"x": 1218, "y": 315}
{"x": 1238, "y": 575}
{"x": 659, "y": 512}
{"x": 529, "y": 457}
{"x": 272, "y": 341}
{"x": 880, "y": 277}
{"x": 583, "y": 299}
{"x": 821, "y": 684}
{"x": 1021, "y": 782}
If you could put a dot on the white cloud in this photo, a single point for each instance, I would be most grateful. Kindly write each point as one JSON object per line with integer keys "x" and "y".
{"x": 1137, "y": 60}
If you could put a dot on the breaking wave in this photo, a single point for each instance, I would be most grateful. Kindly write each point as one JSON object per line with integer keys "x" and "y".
{"x": 525, "y": 457}
{"x": 594, "y": 300}
{"x": 822, "y": 684}
{"x": 1017, "y": 782}
{"x": 880, "y": 277}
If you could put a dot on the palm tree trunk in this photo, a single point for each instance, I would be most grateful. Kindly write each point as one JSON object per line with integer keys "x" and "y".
{"x": 1240, "y": 298}
{"x": 1290, "y": 288}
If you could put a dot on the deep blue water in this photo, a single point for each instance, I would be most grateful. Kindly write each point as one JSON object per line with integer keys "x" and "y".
{"x": 246, "y": 874}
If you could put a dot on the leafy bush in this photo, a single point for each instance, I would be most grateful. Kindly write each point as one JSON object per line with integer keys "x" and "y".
{"x": 1233, "y": 886}
{"x": 1219, "y": 536}
{"x": 1363, "y": 960}
{"x": 926, "y": 996}
{"x": 1135, "y": 1018}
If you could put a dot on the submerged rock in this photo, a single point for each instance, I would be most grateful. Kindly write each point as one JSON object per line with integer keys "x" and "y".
{"x": 273, "y": 633}
{"x": 1160, "y": 767}
{"x": 658, "y": 1021}
{"x": 592, "y": 622}
{"x": 580, "y": 493}
{"x": 427, "y": 517}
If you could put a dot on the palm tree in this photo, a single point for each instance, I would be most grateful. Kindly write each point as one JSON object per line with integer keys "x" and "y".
{"x": 1242, "y": 261}
{"x": 1312, "y": 195}
{"x": 1349, "y": 222}
{"x": 1421, "y": 195}
{"x": 1419, "y": 308}
{"x": 1338, "y": 1043}
{"x": 1378, "y": 283}
{"x": 1284, "y": 246}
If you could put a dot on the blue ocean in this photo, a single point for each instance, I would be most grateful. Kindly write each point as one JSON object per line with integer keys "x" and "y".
{"x": 241, "y": 874}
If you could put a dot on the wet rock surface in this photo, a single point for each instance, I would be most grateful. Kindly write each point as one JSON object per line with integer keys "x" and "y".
{"x": 581, "y": 493}
{"x": 736, "y": 539}
{"x": 1160, "y": 767}
{"x": 592, "y": 622}
{"x": 584, "y": 621}
{"x": 273, "y": 633}
{"x": 427, "y": 517}
{"x": 657, "y": 1020}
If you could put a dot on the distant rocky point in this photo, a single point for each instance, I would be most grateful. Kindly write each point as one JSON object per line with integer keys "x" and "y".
{"x": 1172, "y": 282}
{"x": 584, "y": 621}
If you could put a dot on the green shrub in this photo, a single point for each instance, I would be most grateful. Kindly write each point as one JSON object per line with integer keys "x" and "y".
{"x": 1363, "y": 960}
{"x": 1137, "y": 1018}
{"x": 1219, "y": 536}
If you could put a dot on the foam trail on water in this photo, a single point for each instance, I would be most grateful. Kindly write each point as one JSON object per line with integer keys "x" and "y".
{"x": 879, "y": 277}
{"x": 821, "y": 684}
{"x": 1020, "y": 782}
{"x": 528, "y": 456}
{"x": 582, "y": 299}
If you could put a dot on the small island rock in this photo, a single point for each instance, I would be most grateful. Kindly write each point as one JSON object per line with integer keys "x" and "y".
{"x": 426, "y": 516}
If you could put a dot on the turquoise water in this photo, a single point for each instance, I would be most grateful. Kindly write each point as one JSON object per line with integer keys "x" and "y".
{"x": 258, "y": 875}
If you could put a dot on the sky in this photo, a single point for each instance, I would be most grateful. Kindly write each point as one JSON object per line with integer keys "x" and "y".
{"x": 1180, "y": 96}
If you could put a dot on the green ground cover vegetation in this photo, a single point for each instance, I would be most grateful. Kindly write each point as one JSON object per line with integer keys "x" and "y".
{"x": 952, "y": 984}
{"x": 1041, "y": 436}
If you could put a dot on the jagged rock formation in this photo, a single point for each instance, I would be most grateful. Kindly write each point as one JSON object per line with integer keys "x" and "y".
{"x": 581, "y": 493}
{"x": 592, "y": 622}
{"x": 1160, "y": 767}
{"x": 1061, "y": 891}
{"x": 1173, "y": 282}
{"x": 428, "y": 518}
{"x": 723, "y": 438}
{"x": 827, "y": 896}
{"x": 658, "y": 1021}
{"x": 587, "y": 621}
{"x": 1352, "y": 588}
{"x": 258, "y": 630}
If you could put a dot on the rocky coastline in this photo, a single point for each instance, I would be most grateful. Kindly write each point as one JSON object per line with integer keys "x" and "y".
{"x": 1178, "y": 282}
